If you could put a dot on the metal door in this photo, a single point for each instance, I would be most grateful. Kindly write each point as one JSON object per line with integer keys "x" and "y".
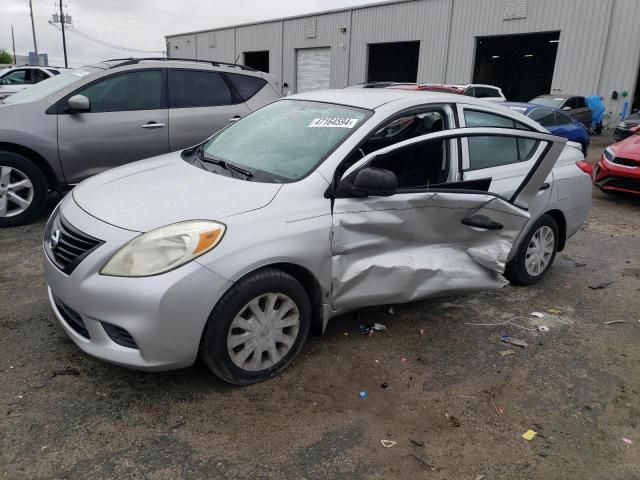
{"x": 313, "y": 69}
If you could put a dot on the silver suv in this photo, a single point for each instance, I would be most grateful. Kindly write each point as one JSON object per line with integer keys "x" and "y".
{"x": 82, "y": 122}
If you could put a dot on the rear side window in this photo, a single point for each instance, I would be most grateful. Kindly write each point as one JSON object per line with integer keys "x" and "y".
{"x": 562, "y": 119}
{"x": 544, "y": 117}
{"x": 192, "y": 88}
{"x": 139, "y": 90}
{"x": 485, "y": 92}
{"x": 55, "y": 72}
{"x": 571, "y": 103}
{"x": 38, "y": 76}
{"x": 492, "y": 151}
{"x": 246, "y": 85}
{"x": 580, "y": 103}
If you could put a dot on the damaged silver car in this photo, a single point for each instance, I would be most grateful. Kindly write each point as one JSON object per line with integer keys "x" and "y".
{"x": 311, "y": 206}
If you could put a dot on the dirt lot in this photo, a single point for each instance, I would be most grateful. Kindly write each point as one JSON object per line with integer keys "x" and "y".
{"x": 456, "y": 408}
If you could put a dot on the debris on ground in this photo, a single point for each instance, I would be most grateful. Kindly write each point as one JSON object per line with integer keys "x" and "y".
{"x": 384, "y": 385}
{"x": 363, "y": 394}
{"x": 391, "y": 311}
{"x": 388, "y": 443}
{"x": 554, "y": 310}
{"x": 612, "y": 322}
{"x": 543, "y": 328}
{"x": 417, "y": 443}
{"x": 452, "y": 420}
{"x": 65, "y": 371}
{"x": 513, "y": 341}
{"x": 529, "y": 434}
{"x": 422, "y": 331}
{"x": 431, "y": 467}
{"x": 579, "y": 264}
{"x": 601, "y": 286}
{"x": 404, "y": 359}
{"x": 537, "y": 314}
{"x": 480, "y": 477}
{"x": 505, "y": 353}
{"x": 627, "y": 440}
{"x": 379, "y": 327}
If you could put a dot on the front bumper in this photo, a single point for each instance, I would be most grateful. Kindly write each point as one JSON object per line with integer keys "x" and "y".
{"x": 611, "y": 177}
{"x": 164, "y": 314}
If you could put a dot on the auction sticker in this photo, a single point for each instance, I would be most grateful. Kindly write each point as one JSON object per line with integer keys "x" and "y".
{"x": 80, "y": 73}
{"x": 333, "y": 122}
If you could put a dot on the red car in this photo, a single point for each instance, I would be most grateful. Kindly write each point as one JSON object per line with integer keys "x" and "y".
{"x": 619, "y": 167}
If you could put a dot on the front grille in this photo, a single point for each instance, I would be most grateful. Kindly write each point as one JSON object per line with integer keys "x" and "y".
{"x": 73, "y": 318}
{"x": 65, "y": 245}
{"x": 627, "y": 162}
{"x": 119, "y": 335}
{"x": 626, "y": 183}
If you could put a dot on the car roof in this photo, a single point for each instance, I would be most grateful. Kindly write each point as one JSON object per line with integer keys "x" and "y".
{"x": 372, "y": 98}
{"x": 559, "y": 95}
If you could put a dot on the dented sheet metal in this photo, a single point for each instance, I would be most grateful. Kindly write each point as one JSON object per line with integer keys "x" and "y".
{"x": 413, "y": 246}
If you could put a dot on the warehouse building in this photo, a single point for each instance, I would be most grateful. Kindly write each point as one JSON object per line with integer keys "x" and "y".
{"x": 526, "y": 47}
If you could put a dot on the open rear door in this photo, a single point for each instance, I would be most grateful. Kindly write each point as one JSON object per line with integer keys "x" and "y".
{"x": 430, "y": 239}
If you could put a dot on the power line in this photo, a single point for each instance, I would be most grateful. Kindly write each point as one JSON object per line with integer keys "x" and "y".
{"x": 107, "y": 44}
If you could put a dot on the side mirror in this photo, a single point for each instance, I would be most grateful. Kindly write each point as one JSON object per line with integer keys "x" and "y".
{"x": 78, "y": 103}
{"x": 369, "y": 182}
{"x": 566, "y": 109}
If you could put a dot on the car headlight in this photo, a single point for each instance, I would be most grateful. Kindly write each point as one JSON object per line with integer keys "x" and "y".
{"x": 164, "y": 249}
{"x": 609, "y": 155}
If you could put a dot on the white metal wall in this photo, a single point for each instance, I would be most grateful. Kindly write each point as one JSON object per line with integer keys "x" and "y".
{"x": 599, "y": 49}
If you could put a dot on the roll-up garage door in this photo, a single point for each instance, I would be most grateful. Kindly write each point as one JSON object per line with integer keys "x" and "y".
{"x": 313, "y": 69}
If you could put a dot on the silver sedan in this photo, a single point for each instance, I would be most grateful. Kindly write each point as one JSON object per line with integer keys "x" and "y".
{"x": 314, "y": 205}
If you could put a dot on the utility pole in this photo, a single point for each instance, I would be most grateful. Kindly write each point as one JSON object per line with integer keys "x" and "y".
{"x": 64, "y": 38}
{"x": 13, "y": 43}
{"x": 33, "y": 28}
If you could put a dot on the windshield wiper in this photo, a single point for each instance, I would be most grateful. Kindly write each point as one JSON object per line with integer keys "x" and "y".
{"x": 224, "y": 164}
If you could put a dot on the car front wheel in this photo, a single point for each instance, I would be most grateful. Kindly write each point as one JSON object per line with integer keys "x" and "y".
{"x": 23, "y": 189}
{"x": 535, "y": 254}
{"x": 257, "y": 328}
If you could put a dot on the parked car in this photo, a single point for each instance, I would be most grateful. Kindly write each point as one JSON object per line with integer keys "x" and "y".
{"x": 623, "y": 130}
{"x": 573, "y": 105}
{"x": 555, "y": 121}
{"x": 486, "y": 92}
{"x": 80, "y": 123}
{"x": 316, "y": 204}
{"x": 618, "y": 169}
{"x": 13, "y": 80}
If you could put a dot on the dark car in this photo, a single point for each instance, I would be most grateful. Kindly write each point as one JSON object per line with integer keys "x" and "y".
{"x": 556, "y": 121}
{"x": 574, "y": 105}
{"x": 623, "y": 130}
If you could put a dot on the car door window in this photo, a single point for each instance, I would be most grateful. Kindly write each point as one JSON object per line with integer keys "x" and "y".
{"x": 562, "y": 119}
{"x": 572, "y": 103}
{"x": 544, "y": 117}
{"x": 246, "y": 85}
{"x": 16, "y": 77}
{"x": 192, "y": 88}
{"x": 38, "y": 76}
{"x": 486, "y": 92}
{"x": 138, "y": 90}
{"x": 485, "y": 152}
{"x": 470, "y": 92}
{"x": 580, "y": 103}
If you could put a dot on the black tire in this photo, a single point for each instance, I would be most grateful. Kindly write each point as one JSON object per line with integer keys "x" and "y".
{"x": 40, "y": 188}
{"x": 599, "y": 129}
{"x": 213, "y": 346}
{"x": 516, "y": 271}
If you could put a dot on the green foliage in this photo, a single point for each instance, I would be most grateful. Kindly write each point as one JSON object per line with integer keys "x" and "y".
{"x": 5, "y": 57}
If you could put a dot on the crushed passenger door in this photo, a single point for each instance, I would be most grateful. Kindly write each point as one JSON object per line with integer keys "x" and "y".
{"x": 423, "y": 242}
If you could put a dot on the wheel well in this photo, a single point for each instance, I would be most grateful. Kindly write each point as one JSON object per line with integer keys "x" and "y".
{"x": 37, "y": 159}
{"x": 311, "y": 286}
{"x": 558, "y": 216}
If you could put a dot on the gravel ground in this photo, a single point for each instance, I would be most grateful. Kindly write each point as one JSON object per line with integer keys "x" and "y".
{"x": 456, "y": 408}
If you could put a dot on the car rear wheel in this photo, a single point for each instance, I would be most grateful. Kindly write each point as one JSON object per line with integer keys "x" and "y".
{"x": 257, "y": 328}
{"x": 536, "y": 253}
{"x": 23, "y": 189}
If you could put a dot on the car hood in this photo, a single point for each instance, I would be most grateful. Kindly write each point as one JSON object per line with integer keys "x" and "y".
{"x": 162, "y": 190}
{"x": 628, "y": 148}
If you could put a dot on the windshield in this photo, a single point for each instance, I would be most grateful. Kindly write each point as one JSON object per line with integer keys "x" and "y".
{"x": 553, "y": 102}
{"x": 286, "y": 139}
{"x": 47, "y": 87}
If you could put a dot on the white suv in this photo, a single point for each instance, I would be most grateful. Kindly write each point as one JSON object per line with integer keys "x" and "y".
{"x": 14, "y": 79}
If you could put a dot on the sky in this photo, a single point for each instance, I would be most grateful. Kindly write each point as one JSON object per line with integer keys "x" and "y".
{"x": 139, "y": 24}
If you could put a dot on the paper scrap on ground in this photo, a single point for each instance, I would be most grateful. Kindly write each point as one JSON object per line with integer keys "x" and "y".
{"x": 388, "y": 443}
{"x": 529, "y": 434}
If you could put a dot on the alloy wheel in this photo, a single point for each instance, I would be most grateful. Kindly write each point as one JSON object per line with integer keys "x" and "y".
{"x": 16, "y": 191}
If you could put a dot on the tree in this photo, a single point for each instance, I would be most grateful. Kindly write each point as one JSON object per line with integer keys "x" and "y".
{"x": 5, "y": 57}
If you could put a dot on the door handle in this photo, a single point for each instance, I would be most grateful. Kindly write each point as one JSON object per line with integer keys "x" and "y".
{"x": 234, "y": 119}
{"x": 545, "y": 186}
{"x": 481, "y": 221}
{"x": 152, "y": 125}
